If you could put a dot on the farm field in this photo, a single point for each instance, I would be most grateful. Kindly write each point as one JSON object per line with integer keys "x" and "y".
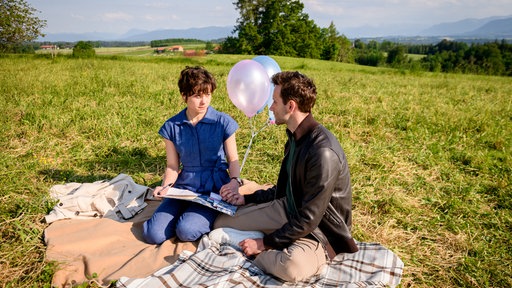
{"x": 123, "y": 51}
{"x": 430, "y": 153}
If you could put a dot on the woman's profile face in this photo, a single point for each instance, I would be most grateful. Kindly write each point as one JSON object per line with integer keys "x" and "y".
{"x": 199, "y": 102}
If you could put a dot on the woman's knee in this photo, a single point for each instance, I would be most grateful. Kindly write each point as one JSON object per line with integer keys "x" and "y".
{"x": 152, "y": 234}
{"x": 192, "y": 226}
{"x": 187, "y": 232}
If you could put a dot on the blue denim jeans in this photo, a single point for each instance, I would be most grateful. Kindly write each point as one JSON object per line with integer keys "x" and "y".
{"x": 184, "y": 219}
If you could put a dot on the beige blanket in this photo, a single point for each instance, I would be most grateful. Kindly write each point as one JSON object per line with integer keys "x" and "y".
{"x": 103, "y": 250}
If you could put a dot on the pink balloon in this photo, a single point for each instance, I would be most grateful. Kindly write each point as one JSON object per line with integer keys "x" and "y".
{"x": 248, "y": 86}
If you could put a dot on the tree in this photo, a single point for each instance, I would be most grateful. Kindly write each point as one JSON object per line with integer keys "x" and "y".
{"x": 359, "y": 44}
{"x": 209, "y": 46}
{"x": 346, "y": 53}
{"x": 368, "y": 53}
{"x": 396, "y": 56}
{"x": 84, "y": 49}
{"x": 331, "y": 45}
{"x": 18, "y": 24}
{"x": 369, "y": 57}
{"x": 274, "y": 27}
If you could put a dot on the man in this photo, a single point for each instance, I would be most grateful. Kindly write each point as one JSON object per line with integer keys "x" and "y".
{"x": 307, "y": 216}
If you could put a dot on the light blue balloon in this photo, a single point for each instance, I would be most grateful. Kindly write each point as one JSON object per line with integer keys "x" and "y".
{"x": 271, "y": 67}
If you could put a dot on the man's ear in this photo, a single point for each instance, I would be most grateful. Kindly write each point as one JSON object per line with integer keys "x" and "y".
{"x": 292, "y": 105}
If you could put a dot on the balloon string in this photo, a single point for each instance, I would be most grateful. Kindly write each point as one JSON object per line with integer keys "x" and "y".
{"x": 253, "y": 134}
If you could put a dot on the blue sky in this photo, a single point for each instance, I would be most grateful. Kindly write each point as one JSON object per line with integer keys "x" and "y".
{"x": 120, "y": 16}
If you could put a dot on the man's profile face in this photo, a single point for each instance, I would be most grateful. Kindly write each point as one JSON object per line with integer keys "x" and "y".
{"x": 278, "y": 107}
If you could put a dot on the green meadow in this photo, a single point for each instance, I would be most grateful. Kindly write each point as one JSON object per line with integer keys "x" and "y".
{"x": 430, "y": 154}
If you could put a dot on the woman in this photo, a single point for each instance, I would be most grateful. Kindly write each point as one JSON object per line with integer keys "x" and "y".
{"x": 200, "y": 149}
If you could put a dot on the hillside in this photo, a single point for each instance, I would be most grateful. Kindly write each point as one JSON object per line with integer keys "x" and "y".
{"x": 465, "y": 26}
{"x": 491, "y": 28}
{"x": 204, "y": 33}
{"x": 429, "y": 153}
{"x": 501, "y": 28}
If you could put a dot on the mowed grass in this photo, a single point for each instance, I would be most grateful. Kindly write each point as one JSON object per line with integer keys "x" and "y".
{"x": 125, "y": 51}
{"x": 430, "y": 154}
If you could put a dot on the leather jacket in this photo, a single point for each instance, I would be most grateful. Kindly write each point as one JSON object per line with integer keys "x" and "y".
{"x": 321, "y": 188}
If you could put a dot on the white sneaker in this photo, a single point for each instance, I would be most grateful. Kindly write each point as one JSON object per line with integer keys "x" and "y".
{"x": 232, "y": 236}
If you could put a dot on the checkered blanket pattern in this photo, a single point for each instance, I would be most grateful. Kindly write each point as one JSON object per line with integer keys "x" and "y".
{"x": 220, "y": 265}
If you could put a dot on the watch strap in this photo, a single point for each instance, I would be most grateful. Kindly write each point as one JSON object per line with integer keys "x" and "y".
{"x": 238, "y": 180}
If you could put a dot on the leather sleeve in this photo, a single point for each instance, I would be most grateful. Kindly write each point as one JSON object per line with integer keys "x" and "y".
{"x": 276, "y": 192}
{"x": 261, "y": 196}
{"x": 316, "y": 173}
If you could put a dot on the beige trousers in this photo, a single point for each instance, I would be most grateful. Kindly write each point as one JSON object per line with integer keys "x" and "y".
{"x": 301, "y": 260}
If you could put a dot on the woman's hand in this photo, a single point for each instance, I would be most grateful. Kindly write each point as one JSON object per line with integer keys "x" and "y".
{"x": 156, "y": 192}
{"x": 229, "y": 193}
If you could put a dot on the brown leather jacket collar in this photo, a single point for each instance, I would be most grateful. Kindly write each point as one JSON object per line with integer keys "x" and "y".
{"x": 307, "y": 125}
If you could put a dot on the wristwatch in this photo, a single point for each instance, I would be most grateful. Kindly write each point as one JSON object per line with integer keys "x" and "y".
{"x": 238, "y": 180}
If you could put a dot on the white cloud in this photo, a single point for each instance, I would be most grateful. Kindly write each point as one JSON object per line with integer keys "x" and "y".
{"x": 158, "y": 5}
{"x": 76, "y": 16}
{"x": 156, "y": 18}
{"x": 219, "y": 9}
{"x": 122, "y": 15}
{"x": 116, "y": 16}
{"x": 324, "y": 7}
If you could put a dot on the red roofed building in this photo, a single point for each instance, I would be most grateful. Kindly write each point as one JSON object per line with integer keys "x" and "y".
{"x": 176, "y": 48}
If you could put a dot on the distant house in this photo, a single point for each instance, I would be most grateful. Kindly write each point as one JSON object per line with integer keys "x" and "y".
{"x": 176, "y": 48}
{"x": 48, "y": 47}
{"x": 160, "y": 50}
{"x": 192, "y": 53}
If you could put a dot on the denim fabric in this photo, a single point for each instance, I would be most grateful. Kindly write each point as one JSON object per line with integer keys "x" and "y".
{"x": 203, "y": 170}
{"x": 201, "y": 149}
{"x": 184, "y": 219}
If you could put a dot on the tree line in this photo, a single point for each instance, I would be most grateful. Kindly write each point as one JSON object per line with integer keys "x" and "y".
{"x": 281, "y": 28}
{"x": 494, "y": 58}
{"x": 175, "y": 41}
{"x": 491, "y": 58}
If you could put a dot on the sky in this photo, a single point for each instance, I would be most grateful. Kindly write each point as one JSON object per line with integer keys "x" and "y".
{"x": 121, "y": 16}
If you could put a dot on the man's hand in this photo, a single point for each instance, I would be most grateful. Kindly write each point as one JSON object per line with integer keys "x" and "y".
{"x": 229, "y": 193}
{"x": 252, "y": 247}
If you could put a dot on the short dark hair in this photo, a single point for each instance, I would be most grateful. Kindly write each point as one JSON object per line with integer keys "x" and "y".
{"x": 194, "y": 80}
{"x": 297, "y": 87}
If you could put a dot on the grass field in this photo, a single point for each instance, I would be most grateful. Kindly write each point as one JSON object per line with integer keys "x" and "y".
{"x": 430, "y": 154}
{"x": 124, "y": 51}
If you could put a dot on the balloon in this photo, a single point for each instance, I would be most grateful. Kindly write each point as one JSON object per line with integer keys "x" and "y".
{"x": 271, "y": 67}
{"x": 271, "y": 117}
{"x": 248, "y": 86}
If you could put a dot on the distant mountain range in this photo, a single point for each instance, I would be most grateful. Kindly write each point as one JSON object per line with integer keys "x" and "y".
{"x": 492, "y": 27}
{"x": 205, "y": 33}
{"x": 498, "y": 27}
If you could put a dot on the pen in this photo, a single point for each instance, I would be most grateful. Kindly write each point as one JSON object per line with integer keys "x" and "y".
{"x": 165, "y": 187}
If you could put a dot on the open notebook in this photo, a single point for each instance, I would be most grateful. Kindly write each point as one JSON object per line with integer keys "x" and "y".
{"x": 213, "y": 201}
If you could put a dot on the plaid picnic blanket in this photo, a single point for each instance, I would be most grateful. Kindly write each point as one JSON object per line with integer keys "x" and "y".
{"x": 221, "y": 265}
